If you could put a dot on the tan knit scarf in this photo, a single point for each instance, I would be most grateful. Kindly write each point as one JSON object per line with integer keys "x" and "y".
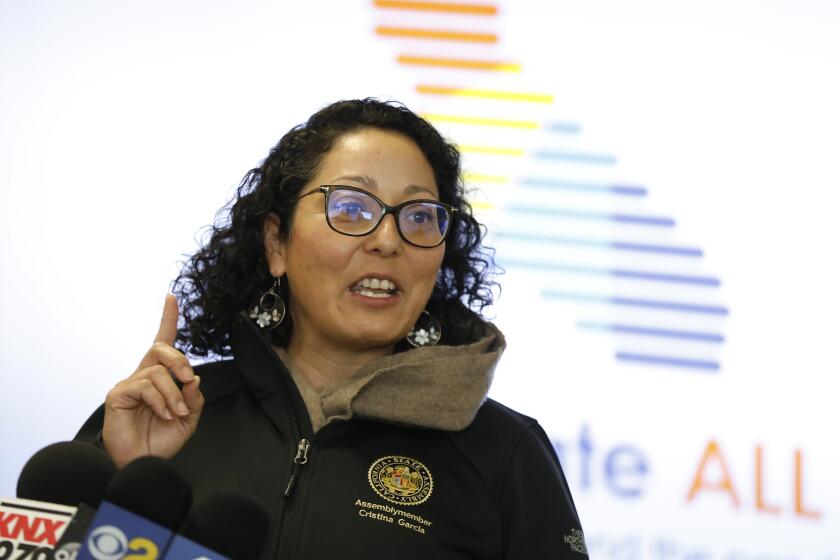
{"x": 435, "y": 387}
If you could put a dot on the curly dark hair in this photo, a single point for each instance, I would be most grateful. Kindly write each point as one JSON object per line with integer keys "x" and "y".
{"x": 230, "y": 271}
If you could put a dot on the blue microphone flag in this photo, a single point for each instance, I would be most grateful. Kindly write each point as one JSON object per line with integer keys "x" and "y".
{"x": 116, "y": 532}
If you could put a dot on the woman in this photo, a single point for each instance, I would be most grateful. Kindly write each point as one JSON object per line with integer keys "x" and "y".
{"x": 345, "y": 285}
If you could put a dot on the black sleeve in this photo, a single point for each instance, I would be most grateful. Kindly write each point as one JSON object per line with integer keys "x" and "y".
{"x": 217, "y": 380}
{"x": 91, "y": 431}
{"x": 538, "y": 514}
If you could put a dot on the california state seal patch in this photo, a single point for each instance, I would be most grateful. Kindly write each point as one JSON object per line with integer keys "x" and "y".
{"x": 401, "y": 480}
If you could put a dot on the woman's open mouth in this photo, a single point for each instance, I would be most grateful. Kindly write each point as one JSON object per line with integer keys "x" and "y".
{"x": 374, "y": 287}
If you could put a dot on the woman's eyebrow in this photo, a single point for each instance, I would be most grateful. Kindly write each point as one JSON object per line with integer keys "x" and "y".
{"x": 411, "y": 189}
{"x": 371, "y": 184}
{"x": 367, "y": 181}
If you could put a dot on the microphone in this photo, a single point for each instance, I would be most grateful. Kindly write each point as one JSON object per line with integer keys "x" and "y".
{"x": 68, "y": 473}
{"x": 226, "y": 524}
{"x": 152, "y": 488}
{"x": 70, "y": 542}
{"x": 144, "y": 503}
{"x": 55, "y": 490}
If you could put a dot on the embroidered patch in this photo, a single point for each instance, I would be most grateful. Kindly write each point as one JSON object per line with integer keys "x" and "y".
{"x": 575, "y": 541}
{"x": 401, "y": 480}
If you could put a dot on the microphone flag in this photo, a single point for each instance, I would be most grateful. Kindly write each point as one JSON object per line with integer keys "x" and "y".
{"x": 182, "y": 548}
{"x": 31, "y": 529}
{"x": 116, "y": 532}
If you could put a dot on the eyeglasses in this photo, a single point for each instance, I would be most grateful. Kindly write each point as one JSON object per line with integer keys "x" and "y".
{"x": 353, "y": 211}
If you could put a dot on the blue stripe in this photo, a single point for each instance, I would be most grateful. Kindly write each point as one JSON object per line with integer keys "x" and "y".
{"x": 668, "y": 361}
{"x": 584, "y": 186}
{"x": 563, "y": 127}
{"x": 627, "y": 189}
{"x": 576, "y": 157}
{"x": 649, "y": 331}
{"x": 553, "y": 239}
{"x": 666, "y": 249}
{"x": 634, "y": 302}
{"x": 617, "y": 245}
{"x": 647, "y": 220}
{"x": 617, "y": 272}
{"x": 587, "y": 215}
{"x": 660, "y": 277}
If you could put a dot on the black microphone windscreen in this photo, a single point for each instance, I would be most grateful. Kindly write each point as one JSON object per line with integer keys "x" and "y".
{"x": 231, "y": 524}
{"x": 68, "y": 472}
{"x": 150, "y": 487}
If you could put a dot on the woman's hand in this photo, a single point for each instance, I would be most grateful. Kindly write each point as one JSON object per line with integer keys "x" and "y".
{"x": 147, "y": 414}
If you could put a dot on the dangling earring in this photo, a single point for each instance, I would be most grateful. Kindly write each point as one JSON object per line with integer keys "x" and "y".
{"x": 426, "y": 331}
{"x": 271, "y": 311}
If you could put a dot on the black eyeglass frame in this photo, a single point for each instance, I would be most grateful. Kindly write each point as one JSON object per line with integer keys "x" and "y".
{"x": 385, "y": 209}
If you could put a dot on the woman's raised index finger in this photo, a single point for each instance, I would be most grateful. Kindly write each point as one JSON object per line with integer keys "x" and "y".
{"x": 168, "y": 322}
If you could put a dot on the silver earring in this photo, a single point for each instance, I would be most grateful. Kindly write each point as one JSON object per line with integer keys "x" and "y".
{"x": 426, "y": 331}
{"x": 271, "y": 310}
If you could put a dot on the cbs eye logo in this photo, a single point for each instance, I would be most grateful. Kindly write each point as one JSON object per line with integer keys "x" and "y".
{"x": 110, "y": 543}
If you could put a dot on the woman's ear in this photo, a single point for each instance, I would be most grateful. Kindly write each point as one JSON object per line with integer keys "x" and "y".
{"x": 275, "y": 247}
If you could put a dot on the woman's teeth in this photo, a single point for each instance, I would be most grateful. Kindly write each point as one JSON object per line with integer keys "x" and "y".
{"x": 375, "y": 288}
{"x": 377, "y": 284}
{"x": 370, "y": 293}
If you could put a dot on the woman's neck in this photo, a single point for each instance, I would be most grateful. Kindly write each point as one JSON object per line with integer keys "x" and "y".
{"x": 323, "y": 365}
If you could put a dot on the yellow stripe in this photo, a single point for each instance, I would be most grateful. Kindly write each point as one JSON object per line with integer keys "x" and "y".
{"x": 486, "y": 94}
{"x": 460, "y": 63}
{"x": 481, "y": 205}
{"x": 479, "y": 121}
{"x": 492, "y": 150}
{"x": 482, "y": 178}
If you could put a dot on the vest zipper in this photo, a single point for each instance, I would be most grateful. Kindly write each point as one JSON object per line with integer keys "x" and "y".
{"x": 300, "y": 459}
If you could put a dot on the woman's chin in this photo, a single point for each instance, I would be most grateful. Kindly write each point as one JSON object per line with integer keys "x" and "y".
{"x": 370, "y": 338}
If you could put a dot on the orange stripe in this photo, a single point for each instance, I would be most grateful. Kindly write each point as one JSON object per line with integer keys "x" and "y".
{"x": 474, "y": 9}
{"x": 437, "y": 34}
{"x": 490, "y": 65}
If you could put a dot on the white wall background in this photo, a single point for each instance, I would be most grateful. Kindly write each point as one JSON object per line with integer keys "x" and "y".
{"x": 125, "y": 126}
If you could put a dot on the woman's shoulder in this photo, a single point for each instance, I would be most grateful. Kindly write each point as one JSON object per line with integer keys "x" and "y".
{"x": 495, "y": 436}
{"x": 502, "y": 417}
{"x": 218, "y": 378}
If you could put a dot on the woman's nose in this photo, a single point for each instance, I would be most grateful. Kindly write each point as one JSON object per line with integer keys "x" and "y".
{"x": 385, "y": 239}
